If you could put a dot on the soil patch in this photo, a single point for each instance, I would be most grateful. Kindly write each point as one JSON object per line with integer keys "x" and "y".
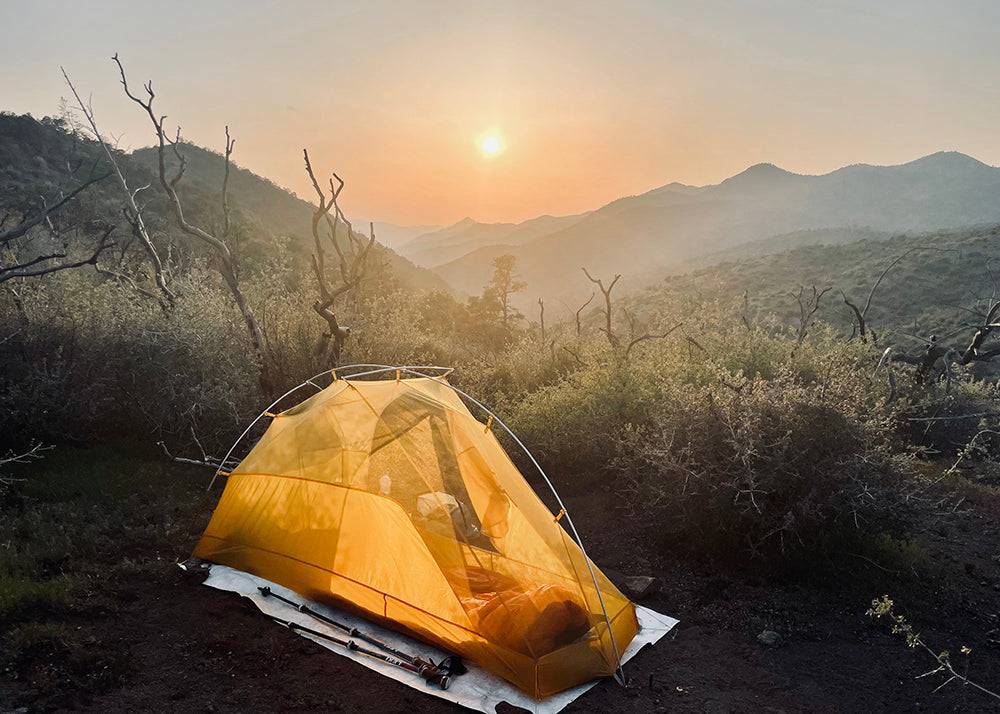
{"x": 154, "y": 639}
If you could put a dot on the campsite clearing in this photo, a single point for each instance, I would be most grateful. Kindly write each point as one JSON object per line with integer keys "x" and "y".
{"x": 130, "y": 632}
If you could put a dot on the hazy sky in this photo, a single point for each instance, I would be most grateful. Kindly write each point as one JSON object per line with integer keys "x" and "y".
{"x": 590, "y": 100}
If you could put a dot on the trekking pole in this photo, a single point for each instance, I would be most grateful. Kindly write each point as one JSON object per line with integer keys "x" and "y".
{"x": 426, "y": 670}
{"x": 352, "y": 631}
{"x": 451, "y": 666}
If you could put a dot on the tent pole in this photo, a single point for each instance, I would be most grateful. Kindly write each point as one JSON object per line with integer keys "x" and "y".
{"x": 260, "y": 416}
{"x": 381, "y": 368}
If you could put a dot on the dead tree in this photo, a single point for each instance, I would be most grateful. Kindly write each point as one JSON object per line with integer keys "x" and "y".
{"x": 541, "y": 318}
{"x": 937, "y": 358}
{"x": 638, "y": 334}
{"x": 745, "y": 311}
{"x": 221, "y": 256}
{"x": 581, "y": 309}
{"x": 932, "y": 360}
{"x": 131, "y": 212}
{"x": 351, "y": 263}
{"x": 975, "y": 351}
{"x": 985, "y": 327}
{"x": 606, "y": 291}
{"x": 808, "y": 307}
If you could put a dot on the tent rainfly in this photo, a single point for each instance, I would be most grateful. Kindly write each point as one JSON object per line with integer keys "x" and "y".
{"x": 388, "y": 498}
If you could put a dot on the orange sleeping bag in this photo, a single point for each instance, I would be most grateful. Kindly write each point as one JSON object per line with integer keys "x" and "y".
{"x": 531, "y": 618}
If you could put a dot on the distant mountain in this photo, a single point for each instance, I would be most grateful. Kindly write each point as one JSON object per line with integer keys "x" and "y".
{"x": 393, "y": 236}
{"x": 446, "y": 244}
{"x": 674, "y": 225}
{"x": 676, "y": 188}
{"x": 436, "y": 247}
{"x": 759, "y": 178}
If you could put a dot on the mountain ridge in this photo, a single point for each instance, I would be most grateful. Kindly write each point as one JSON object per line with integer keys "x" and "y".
{"x": 668, "y": 226}
{"x": 467, "y": 236}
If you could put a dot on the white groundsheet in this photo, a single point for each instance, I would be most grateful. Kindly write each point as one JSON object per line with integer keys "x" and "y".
{"x": 477, "y": 689}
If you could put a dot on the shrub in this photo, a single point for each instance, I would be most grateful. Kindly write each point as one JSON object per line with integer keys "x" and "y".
{"x": 748, "y": 443}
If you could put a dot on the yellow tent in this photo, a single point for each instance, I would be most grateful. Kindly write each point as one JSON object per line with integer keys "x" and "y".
{"x": 388, "y": 498}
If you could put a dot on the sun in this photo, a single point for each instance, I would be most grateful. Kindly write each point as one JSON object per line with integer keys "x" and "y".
{"x": 491, "y": 145}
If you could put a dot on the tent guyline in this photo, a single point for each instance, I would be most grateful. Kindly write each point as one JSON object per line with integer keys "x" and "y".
{"x": 388, "y": 495}
{"x": 439, "y": 675}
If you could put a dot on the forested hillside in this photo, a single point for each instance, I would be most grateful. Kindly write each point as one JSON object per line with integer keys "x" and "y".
{"x": 929, "y": 284}
{"x": 37, "y": 157}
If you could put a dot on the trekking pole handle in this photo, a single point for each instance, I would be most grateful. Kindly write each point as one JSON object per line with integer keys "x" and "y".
{"x": 432, "y": 673}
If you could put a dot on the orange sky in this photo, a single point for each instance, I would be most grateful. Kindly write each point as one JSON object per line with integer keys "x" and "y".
{"x": 590, "y": 101}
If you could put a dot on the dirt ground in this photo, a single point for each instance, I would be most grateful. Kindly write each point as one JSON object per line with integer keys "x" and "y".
{"x": 164, "y": 643}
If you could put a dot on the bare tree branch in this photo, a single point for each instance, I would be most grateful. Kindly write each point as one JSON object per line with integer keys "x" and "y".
{"x": 808, "y": 307}
{"x": 647, "y": 336}
{"x": 27, "y": 224}
{"x": 862, "y": 314}
{"x": 352, "y": 264}
{"x": 612, "y": 339}
{"x": 575, "y": 356}
{"x": 690, "y": 340}
{"x": 125, "y": 280}
{"x": 134, "y": 215}
{"x": 541, "y": 318}
{"x": 861, "y": 327}
{"x": 582, "y": 307}
{"x": 33, "y": 453}
{"x": 227, "y": 226}
{"x": 974, "y": 351}
{"x": 27, "y": 269}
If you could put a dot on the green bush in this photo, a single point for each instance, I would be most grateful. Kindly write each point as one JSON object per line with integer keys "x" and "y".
{"x": 749, "y": 443}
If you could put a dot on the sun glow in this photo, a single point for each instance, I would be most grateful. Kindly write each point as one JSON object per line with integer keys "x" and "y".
{"x": 491, "y": 145}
